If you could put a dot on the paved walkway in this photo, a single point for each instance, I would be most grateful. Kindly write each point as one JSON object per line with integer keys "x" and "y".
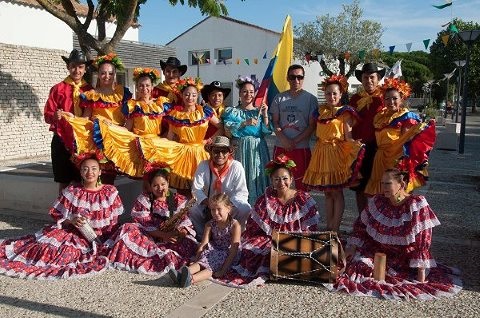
{"x": 453, "y": 192}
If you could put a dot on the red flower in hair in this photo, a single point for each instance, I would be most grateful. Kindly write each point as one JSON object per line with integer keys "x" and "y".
{"x": 281, "y": 160}
{"x": 152, "y": 167}
{"x": 401, "y": 86}
{"x": 336, "y": 79}
{"x": 98, "y": 155}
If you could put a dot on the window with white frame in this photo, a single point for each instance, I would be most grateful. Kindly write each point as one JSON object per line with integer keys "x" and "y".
{"x": 199, "y": 57}
{"x": 223, "y": 56}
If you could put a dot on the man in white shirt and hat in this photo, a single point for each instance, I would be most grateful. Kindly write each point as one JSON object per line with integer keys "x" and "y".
{"x": 220, "y": 174}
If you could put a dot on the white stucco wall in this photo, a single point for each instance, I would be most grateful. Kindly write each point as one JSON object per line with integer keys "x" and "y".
{"x": 21, "y": 25}
{"x": 245, "y": 41}
{"x": 35, "y": 27}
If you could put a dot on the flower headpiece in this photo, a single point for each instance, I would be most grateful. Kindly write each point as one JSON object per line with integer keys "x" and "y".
{"x": 245, "y": 79}
{"x": 281, "y": 161}
{"x": 336, "y": 79}
{"x": 153, "y": 73}
{"x": 98, "y": 155}
{"x": 153, "y": 167}
{"x": 401, "y": 86}
{"x": 109, "y": 58}
{"x": 189, "y": 81}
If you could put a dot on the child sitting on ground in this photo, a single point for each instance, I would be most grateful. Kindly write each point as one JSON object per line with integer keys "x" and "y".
{"x": 219, "y": 248}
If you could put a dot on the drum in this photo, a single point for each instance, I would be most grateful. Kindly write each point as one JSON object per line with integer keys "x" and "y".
{"x": 305, "y": 256}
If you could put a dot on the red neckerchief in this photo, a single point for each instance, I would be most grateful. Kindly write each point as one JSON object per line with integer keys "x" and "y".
{"x": 217, "y": 186}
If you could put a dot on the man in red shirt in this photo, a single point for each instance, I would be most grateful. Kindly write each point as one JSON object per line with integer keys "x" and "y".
{"x": 368, "y": 103}
{"x": 64, "y": 99}
{"x": 172, "y": 71}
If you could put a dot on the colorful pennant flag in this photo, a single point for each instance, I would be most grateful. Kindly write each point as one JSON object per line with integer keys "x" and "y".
{"x": 361, "y": 54}
{"x": 308, "y": 57}
{"x": 445, "y": 39}
{"x": 275, "y": 78}
{"x": 238, "y": 61}
{"x": 452, "y": 28}
{"x": 391, "y": 48}
{"x": 396, "y": 70}
{"x": 443, "y": 6}
{"x": 376, "y": 53}
{"x": 426, "y": 42}
{"x": 409, "y": 46}
{"x": 255, "y": 60}
{"x": 247, "y": 61}
{"x": 265, "y": 55}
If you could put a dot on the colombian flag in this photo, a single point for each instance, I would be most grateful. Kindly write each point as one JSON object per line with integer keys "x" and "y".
{"x": 275, "y": 78}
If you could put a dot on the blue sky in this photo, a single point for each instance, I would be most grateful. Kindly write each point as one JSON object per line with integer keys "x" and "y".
{"x": 403, "y": 21}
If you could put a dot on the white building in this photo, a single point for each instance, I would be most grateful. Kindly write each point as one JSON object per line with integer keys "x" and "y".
{"x": 41, "y": 29}
{"x": 225, "y": 44}
{"x": 32, "y": 42}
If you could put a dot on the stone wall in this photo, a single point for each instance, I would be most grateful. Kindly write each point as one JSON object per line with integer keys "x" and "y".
{"x": 26, "y": 76}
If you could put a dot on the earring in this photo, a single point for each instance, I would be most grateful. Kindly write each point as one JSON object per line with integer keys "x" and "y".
{"x": 99, "y": 181}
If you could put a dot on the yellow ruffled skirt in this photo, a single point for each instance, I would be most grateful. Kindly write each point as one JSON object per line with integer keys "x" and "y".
{"x": 77, "y": 134}
{"x": 119, "y": 146}
{"x": 334, "y": 164}
{"x": 183, "y": 159}
{"x": 389, "y": 151}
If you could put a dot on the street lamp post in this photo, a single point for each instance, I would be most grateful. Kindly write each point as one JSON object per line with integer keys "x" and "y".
{"x": 460, "y": 64}
{"x": 447, "y": 76}
{"x": 468, "y": 37}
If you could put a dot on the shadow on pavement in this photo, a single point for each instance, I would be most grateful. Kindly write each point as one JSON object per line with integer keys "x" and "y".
{"x": 46, "y": 308}
{"x": 163, "y": 281}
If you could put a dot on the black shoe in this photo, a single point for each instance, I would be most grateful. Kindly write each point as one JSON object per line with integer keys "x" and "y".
{"x": 186, "y": 277}
{"x": 174, "y": 276}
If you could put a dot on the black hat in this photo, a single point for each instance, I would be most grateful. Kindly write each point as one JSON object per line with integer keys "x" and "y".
{"x": 174, "y": 62}
{"x": 214, "y": 86}
{"x": 77, "y": 57}
{"x": 370, "y": 68}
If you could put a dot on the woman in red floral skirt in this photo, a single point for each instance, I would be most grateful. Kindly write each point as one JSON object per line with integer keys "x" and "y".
{"x": 60, "y": 250}
{"x": 400, "y": 226}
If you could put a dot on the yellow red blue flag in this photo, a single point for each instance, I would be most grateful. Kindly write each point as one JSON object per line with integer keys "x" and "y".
{"x": 275, "y": 79}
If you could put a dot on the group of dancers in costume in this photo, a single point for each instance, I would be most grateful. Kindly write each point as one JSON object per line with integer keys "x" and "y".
{"x": 395, "y": 223}
{"x": 129, "y": 134}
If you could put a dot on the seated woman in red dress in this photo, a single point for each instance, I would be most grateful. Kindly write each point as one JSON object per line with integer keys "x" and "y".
{"x": 280, "y": 208}
{"x": 60, "y": 250}
{"x": 400, "y": 226}
{"x": 146, "y": 246}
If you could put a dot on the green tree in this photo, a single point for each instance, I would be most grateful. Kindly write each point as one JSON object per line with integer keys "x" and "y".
{"x": 415, "y": 68}
{"x": 442, "y": 59}
{"x": 124, "y": 12}
{"x": 339, "y": 37}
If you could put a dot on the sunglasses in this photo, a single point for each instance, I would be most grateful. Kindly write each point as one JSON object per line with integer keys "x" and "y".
{"x": 294, "y": 77}
{"x": 217, "y": 151}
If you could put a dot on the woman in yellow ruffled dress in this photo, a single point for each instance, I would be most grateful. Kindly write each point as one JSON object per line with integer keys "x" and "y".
{"x": 144, "y": 120}
{"x": 188, "y": 125}
{"x": 403, "y": 140}
{"x": 106, "y": 102}
{"x": 336, "y": 157}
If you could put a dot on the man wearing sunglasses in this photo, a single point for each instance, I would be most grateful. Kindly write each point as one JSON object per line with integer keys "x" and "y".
{"x": 220, "y": 174}
{"x": 291, "y": 111}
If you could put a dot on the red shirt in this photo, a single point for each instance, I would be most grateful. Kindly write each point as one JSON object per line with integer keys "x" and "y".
{"x": 158, "y": 91}
{"x": 364, "y": 129}
{"x": 60, "y": 98}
